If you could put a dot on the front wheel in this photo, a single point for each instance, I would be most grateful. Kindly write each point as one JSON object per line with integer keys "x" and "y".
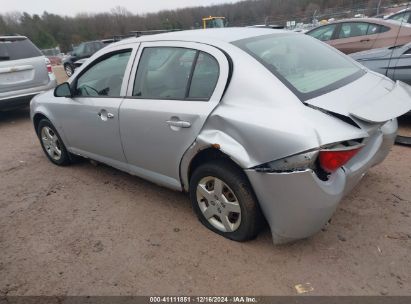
{"x": 52, "y": 144}
{"x": 224, "y": 201}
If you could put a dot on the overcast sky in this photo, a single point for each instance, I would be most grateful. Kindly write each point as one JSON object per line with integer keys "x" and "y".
{"x": 72, "y": 7}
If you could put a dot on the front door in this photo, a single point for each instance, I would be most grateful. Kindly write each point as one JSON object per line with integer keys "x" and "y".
{"x": 171, "y": 93}
{"x": 91, "y": 118}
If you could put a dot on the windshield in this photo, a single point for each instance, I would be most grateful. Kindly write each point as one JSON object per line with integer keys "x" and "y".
{"x": 215, "y": 23}
{"x": 305, "y": 65}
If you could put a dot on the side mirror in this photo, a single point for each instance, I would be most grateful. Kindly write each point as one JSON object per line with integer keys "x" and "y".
{"x": 63, "y": 90}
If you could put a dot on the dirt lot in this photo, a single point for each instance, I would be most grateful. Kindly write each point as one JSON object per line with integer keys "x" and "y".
{"x": 86, "y": 230}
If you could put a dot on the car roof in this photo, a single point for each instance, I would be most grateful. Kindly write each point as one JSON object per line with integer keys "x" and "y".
{"x": 369, "y": 20}
{"x": 400, "y": 11}
{"x": 13, "y": 37}
{"x": 211, "y": 36}
{"x": 372, "y": 20}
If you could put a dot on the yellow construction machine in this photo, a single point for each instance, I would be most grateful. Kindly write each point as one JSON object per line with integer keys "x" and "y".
{"x": 213, "y": 22}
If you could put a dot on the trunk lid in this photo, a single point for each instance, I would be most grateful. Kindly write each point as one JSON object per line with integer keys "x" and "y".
{"x": 372, "y": 98}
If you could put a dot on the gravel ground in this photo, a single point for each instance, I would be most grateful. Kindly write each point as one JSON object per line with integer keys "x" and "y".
{"x": 93, "y": 230}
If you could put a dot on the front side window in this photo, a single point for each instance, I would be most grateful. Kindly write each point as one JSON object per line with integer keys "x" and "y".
{"x": 89, "y": 49}
{"x": 105, "y": 77}
{"x": 97, "y": 46}
{"x": 175, "y": 73}
{"x": 353, "y": 29}
{"x": 305, "y": 65}
{"x": 323, "y": 33}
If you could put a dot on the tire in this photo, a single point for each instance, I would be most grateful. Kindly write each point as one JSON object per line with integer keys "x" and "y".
{"x": 69, "y": 70}
{"x": 52, "y": 144}
{"x": 244, "y": 220}
{"x": 403, "y": 140}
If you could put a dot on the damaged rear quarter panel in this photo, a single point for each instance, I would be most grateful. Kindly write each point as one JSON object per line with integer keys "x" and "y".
{"x": 267, "y": 134}
{"x": 260, "y": 120}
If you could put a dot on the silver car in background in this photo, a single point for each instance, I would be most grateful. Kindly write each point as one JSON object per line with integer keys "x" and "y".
{"x": 253, "y": 123}
{"x": 24, "y": 72}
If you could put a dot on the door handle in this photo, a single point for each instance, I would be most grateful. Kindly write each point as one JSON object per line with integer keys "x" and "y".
{"x": 178, "y": 123}
{"x": 365, "y": 40}
{"x": 104, "y": 115}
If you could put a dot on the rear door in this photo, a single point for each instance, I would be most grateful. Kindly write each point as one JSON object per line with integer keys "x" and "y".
{"x": 171, "y": 92}
{"x": 356, "y": 36}
{"x": 22, "y": 65}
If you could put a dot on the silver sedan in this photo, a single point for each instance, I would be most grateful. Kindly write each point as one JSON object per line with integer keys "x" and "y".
{"x": 257, "y": 125}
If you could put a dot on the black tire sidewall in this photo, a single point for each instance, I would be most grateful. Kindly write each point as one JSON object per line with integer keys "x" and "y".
{"x": 251, "y": 218}
{"x": 64, "y": 159}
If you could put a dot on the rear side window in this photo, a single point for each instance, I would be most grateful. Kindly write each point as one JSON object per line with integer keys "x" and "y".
{"x": 384, "y": 29}
{"x": 205, "y": 77}
{"x": 373, "y": 29}
{"x": 15, "y": 49}
{"x": 353, "y": 29}
{"x": 323, "y": 33}
{"x": 305, "y": 65}
{"x": 175, "y": 73}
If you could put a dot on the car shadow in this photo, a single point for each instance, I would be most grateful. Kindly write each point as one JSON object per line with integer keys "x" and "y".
{"x": 16, "y": 115}
{"x": 161, "y": 196}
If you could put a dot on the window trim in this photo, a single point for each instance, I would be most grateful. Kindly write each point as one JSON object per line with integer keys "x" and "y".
{"x": 73, "y": 84}
{"x": 189, "y": 81}
{"x": 190, "y": 77}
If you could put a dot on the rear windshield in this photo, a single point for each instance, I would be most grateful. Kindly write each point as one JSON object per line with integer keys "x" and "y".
{"x": 14, "y": 49}
{"x": 305, "y": 65}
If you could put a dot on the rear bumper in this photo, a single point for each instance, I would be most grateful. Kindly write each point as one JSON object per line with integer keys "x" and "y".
{"x": 14, "y": 99}
{"x": 298, "y": 204}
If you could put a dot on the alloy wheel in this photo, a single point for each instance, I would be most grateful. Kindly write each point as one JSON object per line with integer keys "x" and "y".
{"x": 218, "y": 204}
{"x": 51, "y": 143}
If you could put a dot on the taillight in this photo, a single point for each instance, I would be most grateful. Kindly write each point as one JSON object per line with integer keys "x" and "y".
{"x": 48, "y": 65}
{"x": 331, "y": 160}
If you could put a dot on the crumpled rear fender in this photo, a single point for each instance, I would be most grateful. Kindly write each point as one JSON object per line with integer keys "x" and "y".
{"x": 252, "y": 136}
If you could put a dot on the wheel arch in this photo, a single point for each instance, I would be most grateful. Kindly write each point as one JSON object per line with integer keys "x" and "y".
{"x": 37, "y": 118}
{"x": 202, "y": 151}
{"x": 42, "y": 112}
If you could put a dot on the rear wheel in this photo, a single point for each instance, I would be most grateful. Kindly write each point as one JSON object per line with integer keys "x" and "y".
{"x": 224, "y": 201}
{"x": 52, "y": 144}
{"x": 69, "y": 70}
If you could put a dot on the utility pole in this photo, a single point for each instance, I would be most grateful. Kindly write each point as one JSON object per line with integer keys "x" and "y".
{"x": 378, "y": 7}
